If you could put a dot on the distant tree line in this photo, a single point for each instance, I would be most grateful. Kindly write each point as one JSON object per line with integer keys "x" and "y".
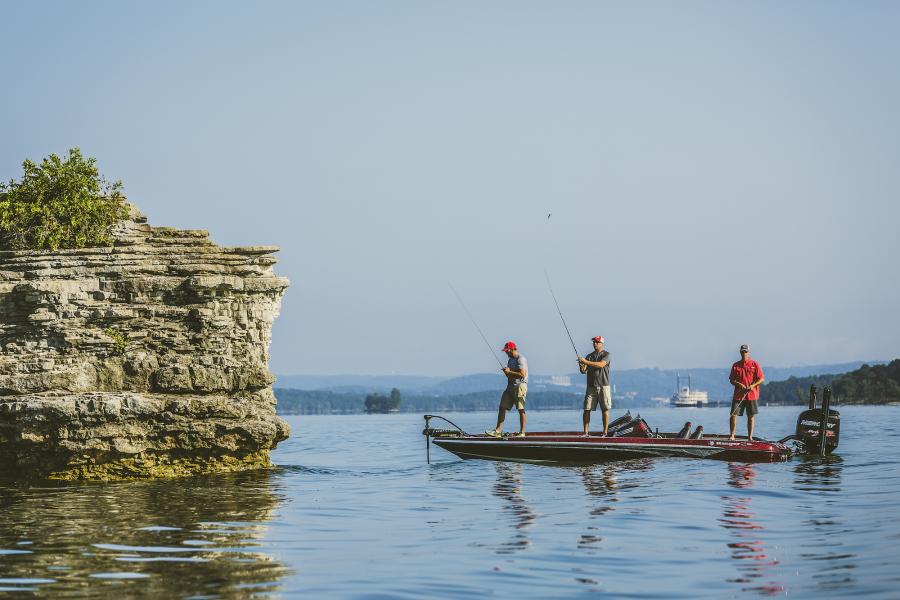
{"x": 878, "y": 384}
{"x": 318, "y": 402}
{"x": 794, "y": 390}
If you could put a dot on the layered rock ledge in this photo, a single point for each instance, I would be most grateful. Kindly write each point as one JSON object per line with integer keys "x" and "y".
{"x": 145, "y": 359}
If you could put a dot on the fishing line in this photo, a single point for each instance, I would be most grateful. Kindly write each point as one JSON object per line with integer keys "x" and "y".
{"x": 547, "y": 275}
{"x": 463, "y": 304}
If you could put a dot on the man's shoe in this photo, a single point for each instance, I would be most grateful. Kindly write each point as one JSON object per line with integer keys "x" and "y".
{"x": 492, "y": 433}
{"x": 520, "y": 434}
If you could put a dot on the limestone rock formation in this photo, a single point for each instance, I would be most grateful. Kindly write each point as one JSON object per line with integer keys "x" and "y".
{"x": 145, "y": 359}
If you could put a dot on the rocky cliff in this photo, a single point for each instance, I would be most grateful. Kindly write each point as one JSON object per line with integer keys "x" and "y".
{"x": 145, "y": 359}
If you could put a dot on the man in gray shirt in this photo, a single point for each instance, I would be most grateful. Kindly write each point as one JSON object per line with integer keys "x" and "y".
{"x": 516, "y": 372}
{"x": 596, "y": 366}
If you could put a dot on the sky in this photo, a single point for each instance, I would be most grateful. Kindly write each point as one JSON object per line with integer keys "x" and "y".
{"x": 716, "y": 173}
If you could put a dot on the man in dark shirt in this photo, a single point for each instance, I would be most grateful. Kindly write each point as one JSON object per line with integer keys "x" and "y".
{"x": 596, "y": 366}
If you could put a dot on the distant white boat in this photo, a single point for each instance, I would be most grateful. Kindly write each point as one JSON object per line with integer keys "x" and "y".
{"x": 686, "y": 397}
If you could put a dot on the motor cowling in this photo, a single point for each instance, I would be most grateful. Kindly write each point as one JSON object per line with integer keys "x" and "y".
{"x": 809, "y": 430}
{"x": 636, "y": 428}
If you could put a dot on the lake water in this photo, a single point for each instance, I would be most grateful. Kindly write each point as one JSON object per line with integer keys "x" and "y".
{"x": 354, "y": 511}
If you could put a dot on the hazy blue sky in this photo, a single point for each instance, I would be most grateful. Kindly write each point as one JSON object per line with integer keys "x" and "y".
{"x": 718, "y": 173}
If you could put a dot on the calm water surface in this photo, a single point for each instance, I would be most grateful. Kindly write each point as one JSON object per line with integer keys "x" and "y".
{"x": 354, "y": 511}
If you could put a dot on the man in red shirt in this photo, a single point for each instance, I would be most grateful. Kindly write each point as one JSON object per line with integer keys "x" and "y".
{"x": 746, "y": 377}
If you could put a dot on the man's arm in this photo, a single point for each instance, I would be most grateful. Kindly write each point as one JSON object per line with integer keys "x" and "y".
{"x": 522, "y": 374}
{"x": 597, "y": 365}
{"x": 759, "y": 379}
{"x": 735, "y": 381}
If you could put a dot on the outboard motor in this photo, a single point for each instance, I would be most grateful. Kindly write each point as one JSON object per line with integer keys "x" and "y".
{"x": 819, "y": 428}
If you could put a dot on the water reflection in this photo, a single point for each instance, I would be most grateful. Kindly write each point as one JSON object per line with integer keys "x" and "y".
{"x": 509, "y": 488}
{"x": 602, "y": 482}
{"x": 599, "y": 482}
{"x": 747, "y": 547}
{"x": 187, "y": 537}
{"x": 819, "y": 478}
{"x": 818, "y": 474}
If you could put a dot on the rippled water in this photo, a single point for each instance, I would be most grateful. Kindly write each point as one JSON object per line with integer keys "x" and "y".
{"x": 354, "y": 511}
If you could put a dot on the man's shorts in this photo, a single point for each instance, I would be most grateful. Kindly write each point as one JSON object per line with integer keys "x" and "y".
{"x": 738, "y": 407}
{"x": 601, "y": 396}
{"x": 514, "y": 396}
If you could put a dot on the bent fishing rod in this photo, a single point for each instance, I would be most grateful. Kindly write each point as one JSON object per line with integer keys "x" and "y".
{"x": 471, "y": 318}
{"x": 562, "y": 318}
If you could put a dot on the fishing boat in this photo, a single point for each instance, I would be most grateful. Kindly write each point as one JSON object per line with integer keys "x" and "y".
{"x": 571, "y": 448}
{"x": 632, "y": 438}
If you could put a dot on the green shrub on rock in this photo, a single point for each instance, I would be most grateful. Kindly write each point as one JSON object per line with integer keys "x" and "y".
{"x": 118, "y": 338}
{"x": 60, "y": 203}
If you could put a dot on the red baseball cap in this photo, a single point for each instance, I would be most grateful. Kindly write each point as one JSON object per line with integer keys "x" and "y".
{"x": 598, "y": 338}
{"x": 509, "y": 346}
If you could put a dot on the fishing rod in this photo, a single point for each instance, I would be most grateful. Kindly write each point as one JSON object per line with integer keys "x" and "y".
{"x": 463, "y": 304}
{"x": 547, "y": 275}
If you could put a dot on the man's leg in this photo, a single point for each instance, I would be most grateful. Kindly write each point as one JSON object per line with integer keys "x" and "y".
{"x": 586, "y": 420}
{"x": 605, "y": 407}
{"x": 732, "y": 422}
{"x": 750, "y": 420}
{"x": 521, "y": 420}
{"x": 501, "y": 415}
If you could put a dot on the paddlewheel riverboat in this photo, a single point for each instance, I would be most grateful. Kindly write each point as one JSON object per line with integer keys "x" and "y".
{"x": 817, "y": 432}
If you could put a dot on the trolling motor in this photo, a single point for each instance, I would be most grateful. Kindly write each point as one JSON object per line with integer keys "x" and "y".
{"x": 819, "y": 429}
{"x": 430, "y": 432}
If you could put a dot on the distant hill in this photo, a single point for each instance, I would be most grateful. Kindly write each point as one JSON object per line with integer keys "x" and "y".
{"x": 641, "y": 384}
{"x": 795, "y": 390}
{"x": 878, "y": 384}
{"x": 634, "y": 389}
{"x": 869, "y": 384}
{"x": 647, "y": 383}
{"x": 356, "y": 383}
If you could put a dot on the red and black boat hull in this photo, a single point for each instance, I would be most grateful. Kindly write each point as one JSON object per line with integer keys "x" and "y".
{"x": 571, "y": 448}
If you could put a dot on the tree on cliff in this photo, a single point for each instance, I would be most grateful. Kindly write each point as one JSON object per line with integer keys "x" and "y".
{"x": 376, "y": 403}
{"x": 60, "y": 203}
